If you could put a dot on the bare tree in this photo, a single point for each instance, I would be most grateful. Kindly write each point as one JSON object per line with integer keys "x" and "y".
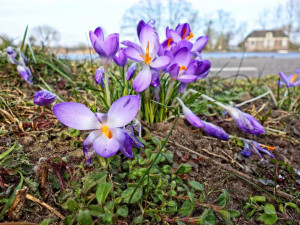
{"x": 164, "y": 15}
{"x": 45, "y": 35}
{"x": 264, "y": 18}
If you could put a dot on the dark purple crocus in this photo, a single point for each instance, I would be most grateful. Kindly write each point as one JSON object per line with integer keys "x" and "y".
{"x": 209, "y": 128}
{"x": 245, "y": 121}
{"x": 130, "y": 71}
{"x": 289, "y": 81}
{"x": 25, "y": 73}
{"x": 106, "y": 48}
{"x": 146, "y": 53}
{"x": 121, "y": 59}
{"x": 43, "y": 98}
{"x": 155, "y": 81}
{"x": 254, "y": 147}
{"x": 107, "y": 135}
{"x": 99, "y": 75}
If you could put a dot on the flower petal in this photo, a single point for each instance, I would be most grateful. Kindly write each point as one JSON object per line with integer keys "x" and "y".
{"x": 106, "y": 147}
{"x": 76, "y": 115}
{"x": 111, "y": 45}
{"x": 87, "y": 146}
{"x": 124, "y": 141}
{"x": 200, "y": 43}
{"x": 190, "y": 116}
{"x": 215, "y": 131}
{"x": 133, "y": 54}
{"x": 284, "y": 77}
{"x": 149, "y": 35}
{"x": 160, "y": 62}
{"x": 183, "y": 57}
{"x": 142, "y": 80}
{"x": 44, "y": 97}
{"x": 187, "y": 78}
{"x": 123, "y": 111}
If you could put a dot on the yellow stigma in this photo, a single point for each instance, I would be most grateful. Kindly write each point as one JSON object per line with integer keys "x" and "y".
{"x": 191, "y": 35}
{"x": 169, "y": 42}
{"x": 147, "y": 58}
{"x": 267, "y": 147}
{"x": 107, "y": 132}
{"x": 293, "y": 78}
{"x": 182, "y": 68}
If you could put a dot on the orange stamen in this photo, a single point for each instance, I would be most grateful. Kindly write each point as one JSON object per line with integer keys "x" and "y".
{"x": 184, "y": 31}
{"x": 169, "y": 42}
{"x": 147, "y": 58}
{"x": 182, "y": 68}
{"x": 107, "y": 132}
{"x": 267, "y": 147}
{"x": 191, "y": 35}
{"x": 293, "y": 78}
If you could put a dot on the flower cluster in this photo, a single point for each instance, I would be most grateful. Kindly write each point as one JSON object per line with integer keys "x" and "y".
{"x": 176, "y": 55}
{"x": 23, "y": 70}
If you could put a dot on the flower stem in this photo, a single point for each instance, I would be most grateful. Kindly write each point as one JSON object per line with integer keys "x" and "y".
{"x": 169, "y": 91}
{"x": 107, "y": 92}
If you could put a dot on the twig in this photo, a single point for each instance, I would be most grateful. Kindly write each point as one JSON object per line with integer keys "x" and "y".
{"x": 239, "y": 174}
{"x": 34, "y": 199}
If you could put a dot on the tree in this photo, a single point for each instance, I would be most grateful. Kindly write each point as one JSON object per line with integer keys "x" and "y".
{"x": 165, "y": 14}
{"x": 44, "y": 35}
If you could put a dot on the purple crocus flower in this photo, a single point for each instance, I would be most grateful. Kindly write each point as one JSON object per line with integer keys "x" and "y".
{"x": 43, "y": 98}
{"x": 254, "y": 147}
{"x": 145, "y": 53}
{"x": 245, "y": 121}
{"x": 289, "y": 81}
{"x": 155, "y": 81}
{"x": 131, "y": 71}
{"x": 106, "y": 48}
{"x": 99, "y": 75}
{"x": 11, "y": 55}
{"x": 209, "y": 128}
{"x": 107, "y": 135}
{"x": 25, "y": 73}
{"x": 120, "y": 60}
{"x": 180, "y": 69}
{"x": 297, "y": 71}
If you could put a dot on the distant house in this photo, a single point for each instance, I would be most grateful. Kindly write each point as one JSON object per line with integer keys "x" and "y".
{"x": 266, "y": 40}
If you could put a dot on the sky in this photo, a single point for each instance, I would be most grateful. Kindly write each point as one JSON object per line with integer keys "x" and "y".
{"x": 74, "y": 18}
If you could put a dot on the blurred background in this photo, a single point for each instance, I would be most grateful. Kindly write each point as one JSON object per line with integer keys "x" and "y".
{"x": 237, "y": 28}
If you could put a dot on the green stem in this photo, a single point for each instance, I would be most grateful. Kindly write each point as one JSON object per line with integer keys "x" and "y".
{"x": 107, "y": 92}
{"x": 169, "y": 90}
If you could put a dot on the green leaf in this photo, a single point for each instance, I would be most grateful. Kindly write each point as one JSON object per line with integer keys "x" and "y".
{"x": 102, "y": 192}
{"x": 223, "y": 199}
{"x": 96, "y": 210}
{"x": 107, "y": 218}
{"x": 183, "y": 168}
{"x": 178, "y": 221}
{"x": 84, "y": 218}
{"x": 72, "y": 204}
{"x": 258, "y": 198}
{"x": 208, "y": 218}
{"x": 225, "y": 215}
{"x": 47, "y": 221}
{"x": 69, "y": 220}
{"x": 269, "y": 209}
{"x": 128, "y": 192}
{"x": 4, "y": 154}
{"x": 138, "y": 220}
{"x": 123, "y": 211}
{"x": 186, "y": 208}
{"x": 268, "y": 219}
{"x": 12, "y": 197}
{"x": 196, "y": 185}
{"x": 250, "y": 214}
{"x": 233, "y": 213}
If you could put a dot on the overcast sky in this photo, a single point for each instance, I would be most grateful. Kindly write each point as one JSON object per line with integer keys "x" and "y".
{"x": 74, "y": 18}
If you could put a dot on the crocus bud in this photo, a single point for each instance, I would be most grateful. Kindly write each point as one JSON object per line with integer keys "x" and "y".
{"x": 10, "y": 50}
{"x": 99, "y": 75}
{"x": 25, "y": 73}
{"x": 120, "y": 60}
{"x": 43, "y": 98}
{"x": 245, "y": 121}
{"x": 131, "y": 71}
{"x": 215, "y": 131}
{"x": 155, "y": 81}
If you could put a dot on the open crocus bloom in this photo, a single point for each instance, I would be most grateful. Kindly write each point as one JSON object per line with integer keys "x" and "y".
{"x": 289, "y": 81}
{"x": 106, "y": 48}
{"x": 107, "y": 136}
{"x": 209, "y": 128}
{"x": 254, "y": 147}
{"x": 245, "y": 121}
{"x": 145, "y": 53}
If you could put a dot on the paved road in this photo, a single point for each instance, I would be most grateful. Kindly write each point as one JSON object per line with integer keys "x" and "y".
{"x": 253, "y": 67}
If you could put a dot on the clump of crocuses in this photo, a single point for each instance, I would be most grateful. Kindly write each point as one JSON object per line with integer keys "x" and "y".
{"x": 107, "y": 133}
